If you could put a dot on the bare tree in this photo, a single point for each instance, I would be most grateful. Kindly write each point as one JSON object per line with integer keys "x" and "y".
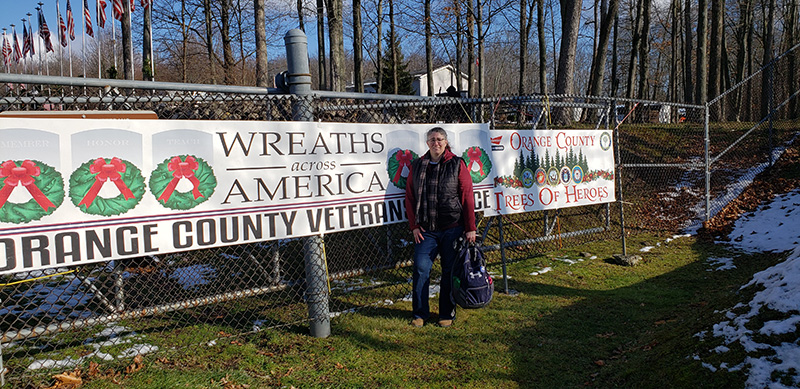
{"x": 701, "y": 95}
{"x": 428, "y": 47}
{"x": 542, "y": 47}
{"x": 262, "y": 78}
{"x": 323, "y": 66}
{"x": 379, "y": 49}
{"x": 688, "y": 81}
{"x": 127, "y": 42}
{"x": 210, "y": 39}
{"x": 565, "y": 78}
{"x": 358, "y": 47}
{"x": 767, "y": 87}
{"x": 336, "y": 40}
{"x": 393, "y": 45}
{"x": 601, "y": 49}
{"x": 644, "y": 51}
{"x": 147, "y": 45}
{"x": 715, "y": 56}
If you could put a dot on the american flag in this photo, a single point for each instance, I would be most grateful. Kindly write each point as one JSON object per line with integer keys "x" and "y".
{"x": 87, "y": 17}
{"x": 26, "y": 43}
{"x": 133, "y": 5}
{"x": 7, "y": 50}
{"x": 101, "y": 16}
{"x": 146, "y": 3}
{"x": 118, "y": 10}
{"x": 30, "y": 39}
{"x": 70, "y": 22}
{"x": 17, "y": 51}
{"x": 44, "y": 32}
{"x": 62, "y": 29}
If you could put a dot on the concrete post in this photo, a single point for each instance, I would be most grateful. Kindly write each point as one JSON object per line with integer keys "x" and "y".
{"x": 299, "y": 81}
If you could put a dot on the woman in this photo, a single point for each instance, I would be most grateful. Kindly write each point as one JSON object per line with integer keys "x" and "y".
{"x": 440, "y": 208}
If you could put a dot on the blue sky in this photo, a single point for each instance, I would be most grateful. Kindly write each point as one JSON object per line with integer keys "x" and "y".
{"x": 12, "y": 11}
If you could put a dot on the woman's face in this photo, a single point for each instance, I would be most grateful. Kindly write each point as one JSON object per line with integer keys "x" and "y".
{"x": 437, "y": 143}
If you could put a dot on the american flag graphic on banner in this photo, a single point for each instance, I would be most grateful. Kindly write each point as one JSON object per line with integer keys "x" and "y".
{"x": 87, "y": 18}
{"x": 17, "y": 51}
{"x": 62, "y": 28}
{"x": 70, "y": 22}
{"x": 101, "y": 16}
{"x": 118, "y": 10}
{"x": 44, "y": 32}
{"x": 7, "y": 50}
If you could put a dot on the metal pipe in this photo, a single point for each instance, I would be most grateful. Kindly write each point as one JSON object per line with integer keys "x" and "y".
{"x": 299, "y": 81}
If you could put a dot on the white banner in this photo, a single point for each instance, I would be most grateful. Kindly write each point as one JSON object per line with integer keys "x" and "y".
{"x": 539, "y": 170}
{"x": 79, "y": 191}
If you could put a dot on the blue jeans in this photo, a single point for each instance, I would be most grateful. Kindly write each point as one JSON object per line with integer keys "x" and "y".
{"x": 441, "y": 243}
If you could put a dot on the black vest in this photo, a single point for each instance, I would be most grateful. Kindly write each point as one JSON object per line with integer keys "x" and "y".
{"x": 448, "y": 199}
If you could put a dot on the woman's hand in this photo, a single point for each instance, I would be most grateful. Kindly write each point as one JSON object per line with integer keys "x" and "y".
{"x": 418, "y": 234}
{"x": 471, "y": 236}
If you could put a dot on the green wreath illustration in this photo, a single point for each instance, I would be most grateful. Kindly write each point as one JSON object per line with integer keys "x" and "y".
{"x": 42, "y": 181}
{"x": 168, "y": 173}
{"x": 478, "y": 163}
{"x": 395, "y": 165}
{"x": 86, "y": 181}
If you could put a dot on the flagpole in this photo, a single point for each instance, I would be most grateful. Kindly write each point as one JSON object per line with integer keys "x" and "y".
{"x": 130, "y": 23}
{"x": 41, "y": 62}
{"x": 83, "y": 40}
{"x": 5, "y": 61}
{"x": 14, "y": 45}
{"x": 99, "y": 66}
{"x": 24, "y": 61}
{"x": 114, "y": 38}
{"x": 60, "y": 47}
{"x": 152, "y": 59}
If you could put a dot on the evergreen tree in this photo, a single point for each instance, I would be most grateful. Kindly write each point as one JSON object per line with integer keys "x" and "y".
{"x": 404, "y": 78}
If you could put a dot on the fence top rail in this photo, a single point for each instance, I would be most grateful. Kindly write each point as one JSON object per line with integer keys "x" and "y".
{"x": 10, "y": 78}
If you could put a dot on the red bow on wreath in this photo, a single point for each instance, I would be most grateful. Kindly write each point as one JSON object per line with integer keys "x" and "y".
{"x": 474, "y": 154}
{"x": 182, "y": 170}
{"x": 105, "y": 172}
{"x": 404, "y": 159}
{"x": 16, "y": 175}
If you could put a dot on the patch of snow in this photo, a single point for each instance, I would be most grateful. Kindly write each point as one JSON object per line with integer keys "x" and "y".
{"x": 646, "y": 249}
{"x": 540, "y": 272}
{"x": 718, "y": 264}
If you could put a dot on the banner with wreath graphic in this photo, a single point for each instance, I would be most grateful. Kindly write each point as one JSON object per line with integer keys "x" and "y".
{"x": 551, "y": 169}
{"x": 80, "y": 190}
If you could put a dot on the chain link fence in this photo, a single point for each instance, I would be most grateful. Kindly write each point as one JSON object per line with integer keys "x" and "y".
{"x": 108, "y": 313}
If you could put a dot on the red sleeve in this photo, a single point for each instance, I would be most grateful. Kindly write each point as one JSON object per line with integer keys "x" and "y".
{"x": 467, "y": 198}
{"x": 411, "y": 196}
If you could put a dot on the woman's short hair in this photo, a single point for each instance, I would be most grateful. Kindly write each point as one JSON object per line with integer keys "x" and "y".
{"x": 438, "y": 130}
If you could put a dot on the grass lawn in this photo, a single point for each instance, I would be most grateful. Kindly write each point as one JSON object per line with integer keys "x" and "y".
{"x": 591, "y": 323}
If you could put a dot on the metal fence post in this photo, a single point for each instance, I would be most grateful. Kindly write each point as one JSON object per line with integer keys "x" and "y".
{"x": 299, "y": 81}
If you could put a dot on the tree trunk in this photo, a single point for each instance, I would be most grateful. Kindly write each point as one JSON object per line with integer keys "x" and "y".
{"x": 792, "y": 67}
{"x": 688, "y": 81}
{"x": 184, "y": 41}
{"x": 209, "y": 40}
{"x": 147, "y": 45}
{"x": 428, "y": 49}
{"x": 601, "y": 51}
{"x": 480, "y": 65}
{"x": 393, "y": 46}
{"x": 644, "y": 52}
{"x": 301, "y": 24}
{"x": 323, "y": 65}
{"x": 459, "y": 41}
{"x": 225, "y": 35}
{"x": 715, "y": 57}
{"x": 379, "y": 56}
{"x": 523, "y": 45}
{"x": 702, "y": 55}
{"x": 565, "y": 77}
{"x": 336, "y": 40}
{"x": 127, "y": 42}
{"x": 470, "y": 48}
{"x": 675, "y": 12}
{"x": 542, "y": 47}
{"x": 358, "y": 55}
{"x": 262, "y": 78}
{"x": 636, "y": 22}
{"x": 767, "y": 89}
